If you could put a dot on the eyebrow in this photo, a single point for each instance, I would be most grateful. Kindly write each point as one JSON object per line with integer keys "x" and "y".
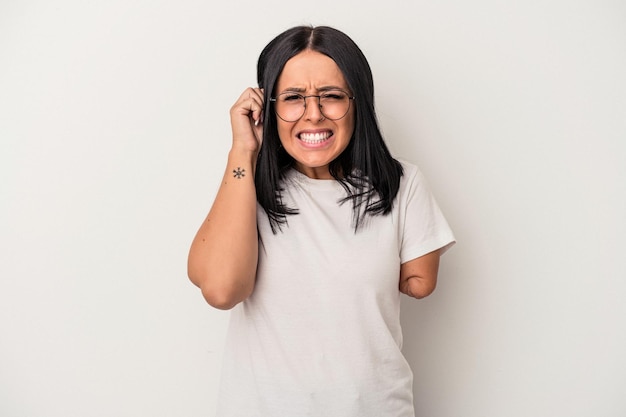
{"x": 303, "y": 90}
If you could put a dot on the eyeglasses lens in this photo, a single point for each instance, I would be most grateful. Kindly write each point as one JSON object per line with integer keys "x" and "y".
{"x": 333, "y": 104}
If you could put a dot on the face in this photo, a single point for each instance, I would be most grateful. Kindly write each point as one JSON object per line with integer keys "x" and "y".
{"x": 314, "y": 141}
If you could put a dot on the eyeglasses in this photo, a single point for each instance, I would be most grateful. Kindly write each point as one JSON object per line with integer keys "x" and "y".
{"x": 333, "y": 104}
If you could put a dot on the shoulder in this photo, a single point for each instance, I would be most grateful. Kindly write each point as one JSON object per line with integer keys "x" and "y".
{"x": 411, "y": 175}
{"x": 409, "y": 169}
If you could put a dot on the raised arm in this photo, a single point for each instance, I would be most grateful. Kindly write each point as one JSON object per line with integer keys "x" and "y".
{"x": 223, "y": 255}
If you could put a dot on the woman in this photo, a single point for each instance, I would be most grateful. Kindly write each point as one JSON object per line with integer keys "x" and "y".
{"x": 314, "y": 233}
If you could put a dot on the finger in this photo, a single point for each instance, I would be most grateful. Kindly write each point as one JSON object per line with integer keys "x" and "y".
{"x": 257, "y": 91}
{"x": 255, "y": 101}
{"x": 257, "y": 95}
{"x": 248, "y": 105}
{"x": 257, "y": 129}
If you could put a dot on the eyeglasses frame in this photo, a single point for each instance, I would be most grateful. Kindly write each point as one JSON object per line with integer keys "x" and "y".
{"x": 319, "y": 104}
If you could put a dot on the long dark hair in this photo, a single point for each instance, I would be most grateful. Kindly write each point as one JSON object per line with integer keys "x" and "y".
{"x": 366, "y": 169}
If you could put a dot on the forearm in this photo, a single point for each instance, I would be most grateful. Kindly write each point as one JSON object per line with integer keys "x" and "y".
{"x": 223, "y": 256}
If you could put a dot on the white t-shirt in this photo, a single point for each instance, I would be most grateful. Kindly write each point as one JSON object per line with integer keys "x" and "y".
{"x": 320, "y": 335}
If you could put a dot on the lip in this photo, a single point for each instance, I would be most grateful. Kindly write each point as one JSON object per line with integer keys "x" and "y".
{"x": 315, "y": 138}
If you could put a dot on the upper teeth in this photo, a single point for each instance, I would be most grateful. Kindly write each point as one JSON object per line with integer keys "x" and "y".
{"x": 314, "y": 137}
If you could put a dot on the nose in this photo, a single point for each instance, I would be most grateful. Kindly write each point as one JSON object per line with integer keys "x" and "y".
{"x": 313, "y": 112}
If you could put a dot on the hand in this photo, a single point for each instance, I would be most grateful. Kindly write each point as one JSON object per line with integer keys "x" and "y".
{"x": 246, "y": 119}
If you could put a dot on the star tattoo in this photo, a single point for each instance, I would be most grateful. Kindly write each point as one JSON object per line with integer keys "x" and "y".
{"x": 238, "y": 173}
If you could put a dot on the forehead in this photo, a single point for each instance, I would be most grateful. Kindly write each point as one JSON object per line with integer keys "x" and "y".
{"x": 310, "y": 70}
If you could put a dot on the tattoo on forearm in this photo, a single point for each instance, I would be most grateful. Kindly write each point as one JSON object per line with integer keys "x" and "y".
{"x": 238, "y": 173}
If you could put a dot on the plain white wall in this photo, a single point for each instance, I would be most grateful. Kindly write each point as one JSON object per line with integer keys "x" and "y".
{"x": 114, "y": 131}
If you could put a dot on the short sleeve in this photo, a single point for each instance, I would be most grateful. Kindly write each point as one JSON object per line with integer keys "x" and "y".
{"x": 423, "y": 227}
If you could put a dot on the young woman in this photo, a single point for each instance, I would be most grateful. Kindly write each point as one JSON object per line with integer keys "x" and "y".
{"x": 314, "y": 233}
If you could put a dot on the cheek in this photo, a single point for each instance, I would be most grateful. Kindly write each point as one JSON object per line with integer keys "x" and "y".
{"x": 349, "y": 125}
{"x": 284, "y": 130}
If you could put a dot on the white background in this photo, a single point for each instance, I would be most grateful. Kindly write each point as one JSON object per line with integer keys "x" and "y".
{"x": 114, "y": 133}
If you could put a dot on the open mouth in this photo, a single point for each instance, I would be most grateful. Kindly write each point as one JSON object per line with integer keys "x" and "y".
{"x": 315, "y": 138}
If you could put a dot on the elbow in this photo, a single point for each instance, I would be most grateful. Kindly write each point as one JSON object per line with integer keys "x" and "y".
{"x": 224, "y": 296}
{"x": 418, "y": 288}
{"x": 222, "y": 300}
{"x": 424, "y": 291}
{"x": 221, "y": 291}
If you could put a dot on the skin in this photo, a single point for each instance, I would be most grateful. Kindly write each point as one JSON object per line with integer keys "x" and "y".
{"x": 223, "y": 256}
{"x": 310, "y": 73}
{"x": 418, "y": 277}
{"x": 224, "y": 253}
